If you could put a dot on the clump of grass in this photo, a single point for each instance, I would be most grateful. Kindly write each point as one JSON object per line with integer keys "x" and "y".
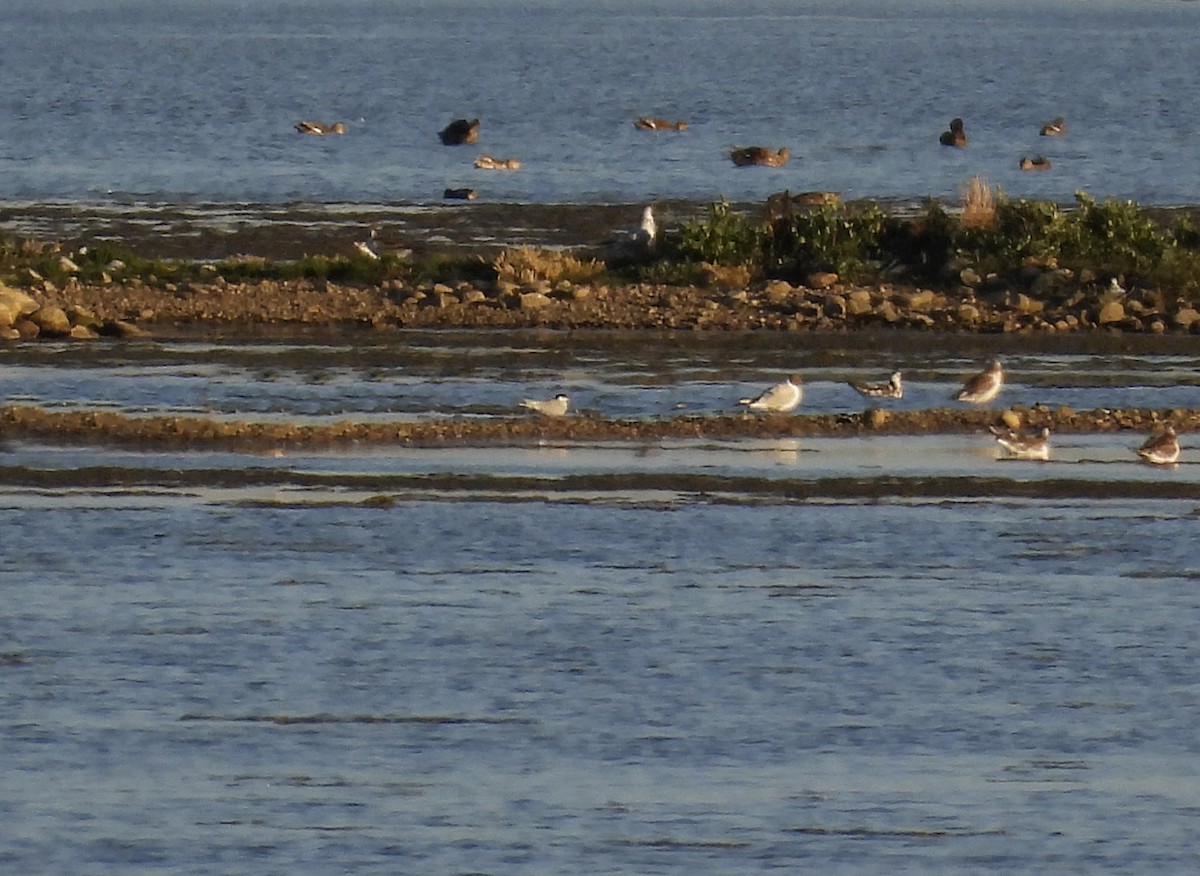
{"x": 526, "y": 265}
{"x": 978, "y": 204}
{"x": 726, "y": 237}
{"x": 830, "y": 237}
{"x": 671, "y": 273}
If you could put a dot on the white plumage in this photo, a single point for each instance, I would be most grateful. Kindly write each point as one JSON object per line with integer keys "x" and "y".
{"x": 551, "y": 407}
{"x": 779, "y": 399}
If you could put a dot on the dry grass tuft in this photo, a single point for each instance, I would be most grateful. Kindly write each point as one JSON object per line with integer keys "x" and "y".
{"x": 979, "y": 204}
{"x": 529, "y": 265}
{"x": 725, "y": 276}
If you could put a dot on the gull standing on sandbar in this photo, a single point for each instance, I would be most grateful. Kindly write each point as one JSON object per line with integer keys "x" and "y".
{"x": 778, "y": 399}
{"x": 984, "y": 386}
{"x": 552, "y": 407}
{"x": 1161, "y": 449}
{"x": 1020, "y": 445}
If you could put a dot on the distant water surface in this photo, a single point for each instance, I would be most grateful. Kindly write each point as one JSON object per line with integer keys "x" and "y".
{"x": 196, "y": 101}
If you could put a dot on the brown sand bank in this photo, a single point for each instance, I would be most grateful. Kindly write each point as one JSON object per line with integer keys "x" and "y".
{"x": 91, "y": 427}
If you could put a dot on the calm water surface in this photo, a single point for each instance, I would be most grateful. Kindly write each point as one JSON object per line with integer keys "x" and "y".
{"x": 195, "y": 683}
{"x": 196, "y": 101}
{"x": 421, "y": 374}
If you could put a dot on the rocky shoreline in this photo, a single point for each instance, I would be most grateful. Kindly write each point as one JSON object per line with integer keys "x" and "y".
{"x": 824, "y": 305}
{"x": 1042, "y": 299}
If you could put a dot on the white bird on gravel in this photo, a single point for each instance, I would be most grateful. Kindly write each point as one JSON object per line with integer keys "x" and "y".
{"x": 647, "y": 232}
{"x": 368, "y": 247}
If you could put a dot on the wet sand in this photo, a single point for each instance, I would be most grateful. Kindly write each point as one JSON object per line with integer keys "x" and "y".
{"x": 292, "y": 231}
{"x": 183, "y": 432}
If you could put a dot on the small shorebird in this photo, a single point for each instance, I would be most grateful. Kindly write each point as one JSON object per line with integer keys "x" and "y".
{"x": 1039, "y": 163}
{"x": 956, "y": 136}
{"x": 749, "y": 155}
{"x": 1161, "y": 449}
{"x": 633, "y": 243}
{"x": 368, "y": 247}
{"x": 892, "y": 389}
{"x": 647, "y": 232}
{"x": 984, "y": 386}
{"x": 778, "y": 399}
{"x": 487, "y": 162}
{"x": 320, "y": 129}
{"x": 1021, "y": 445}
{"x": 551, "y": 407}
{"x": 645, "y": 123}
{"x": 1056, "y": 128}
{"x": 460, "y": 131}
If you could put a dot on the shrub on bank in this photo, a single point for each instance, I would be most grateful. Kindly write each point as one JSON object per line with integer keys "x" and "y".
{"x": 993, "y": 236}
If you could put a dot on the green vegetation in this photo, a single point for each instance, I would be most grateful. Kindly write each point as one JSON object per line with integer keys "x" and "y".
{"x": 862, "y": 244}
{"x": 1001, "y": 240}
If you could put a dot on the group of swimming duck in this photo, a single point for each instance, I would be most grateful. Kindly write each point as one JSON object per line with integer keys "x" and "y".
{"x": 463, "y": 131}
{"x": 956, "y": 136}
{"x": 1162, "y": 448}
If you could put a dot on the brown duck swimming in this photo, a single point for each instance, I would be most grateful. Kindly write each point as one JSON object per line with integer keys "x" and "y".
{"x": 645, "y": 123}
{"x": 956, "y": 136}
{"x": 1038, "y": 163}
{"x": 1056, "y": 128}
{"x": 487, "y": 162}
{"x": 748, "y": 155}
{"x": 320, "y": 129}
{"x": 460, "y": 131}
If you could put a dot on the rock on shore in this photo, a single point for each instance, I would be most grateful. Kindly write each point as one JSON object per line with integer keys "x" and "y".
{"x": 24, "y": 316}
{"x": 822, "y": 304}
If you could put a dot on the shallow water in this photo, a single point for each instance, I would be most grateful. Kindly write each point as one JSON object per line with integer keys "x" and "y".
{"x": 833, "y": 655}
{"x": 475, "y": 685}
{"x": 420, "y": 375}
